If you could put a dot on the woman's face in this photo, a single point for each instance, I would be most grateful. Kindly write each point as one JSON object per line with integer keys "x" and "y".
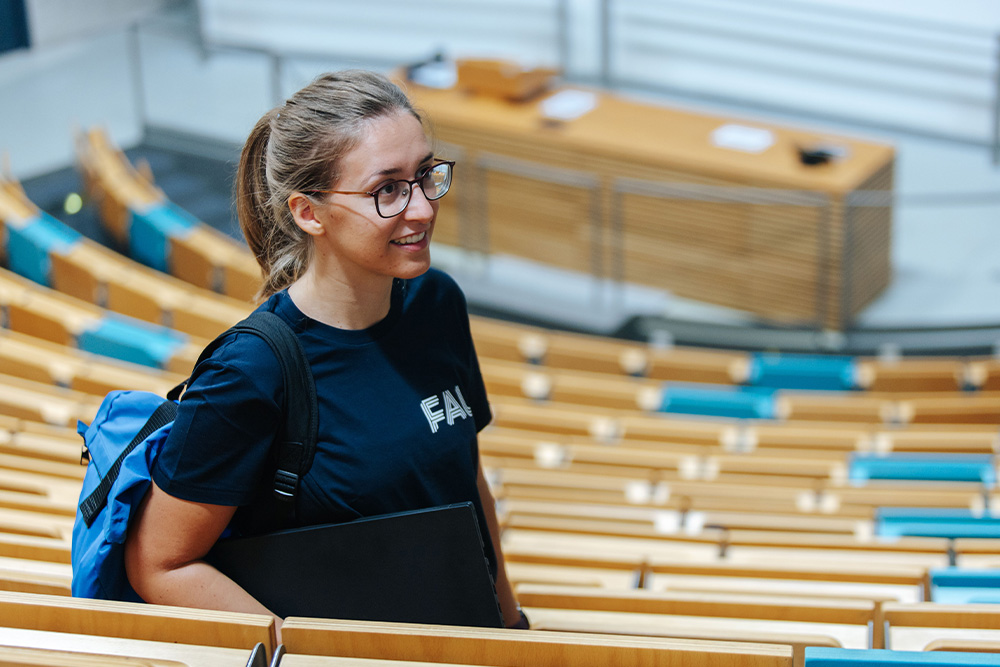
{"x": 359, "y": 241}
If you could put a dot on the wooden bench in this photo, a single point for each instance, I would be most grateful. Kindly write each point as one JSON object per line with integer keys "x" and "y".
{"x": 554, "y": 349}
{"x": 609, "y": 425}
{"x": 633, "y": 546}
{"x": 44, "y": 402}
{"x": 642, "y": 568}
{"x": 83, "y": 269}
{"x": 204, "y": 257}
{"x": 42, "y": 361}
{"x": 931, "y": 626}
{"x": 576, "y": 387}
{"x": 794, "y": 621}
{"x": 98, "y": 276}
{"x": 512, "y": 648}
{"x": 63, "y": 649}
{"x": 135, "y": 621}
{"x": 44, "y": 313}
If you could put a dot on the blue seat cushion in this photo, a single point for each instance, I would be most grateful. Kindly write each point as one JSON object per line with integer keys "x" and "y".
{"x": 817, "y": 656}
{"x": 929, "y": 467}
{"x": 934, "y": 522}
{"x": 131, "y": 340}
{"x": 803, "y": 371}
{"x": 151, "y": 231}
{"x": 717, "y": 401}
{"x": 954, "y": 585}
{"x": 29, "y": 246}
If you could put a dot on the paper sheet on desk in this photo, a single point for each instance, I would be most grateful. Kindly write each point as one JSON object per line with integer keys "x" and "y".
{"x": 742, "y": 138}
{"x": 568, "y": 104}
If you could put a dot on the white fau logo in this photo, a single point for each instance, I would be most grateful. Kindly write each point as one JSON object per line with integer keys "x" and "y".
{"x": 452, "y": 408}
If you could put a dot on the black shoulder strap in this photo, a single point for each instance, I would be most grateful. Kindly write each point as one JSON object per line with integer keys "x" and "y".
{"x": 297, "y": 440}
{"x": 93, "y": 503}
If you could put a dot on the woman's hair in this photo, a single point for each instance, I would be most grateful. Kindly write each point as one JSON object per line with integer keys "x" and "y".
{"x": 298, "y": 147}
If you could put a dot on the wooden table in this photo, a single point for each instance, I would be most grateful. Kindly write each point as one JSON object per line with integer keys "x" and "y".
{"x": 620, "y": 193}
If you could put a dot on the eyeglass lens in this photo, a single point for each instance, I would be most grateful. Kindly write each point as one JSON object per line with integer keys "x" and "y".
{"x": 393, "y": 197}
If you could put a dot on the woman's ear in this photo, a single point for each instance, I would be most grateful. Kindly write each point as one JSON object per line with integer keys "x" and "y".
{"x": 304, "y": 210}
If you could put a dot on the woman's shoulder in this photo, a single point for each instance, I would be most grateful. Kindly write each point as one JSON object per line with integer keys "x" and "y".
{"x": 247, "y": 352}
{"x": 435, "y": 285}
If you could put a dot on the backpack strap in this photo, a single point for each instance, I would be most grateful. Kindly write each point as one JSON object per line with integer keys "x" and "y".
{"x": 92, "y": 504}
{"x": 297, "y": 438}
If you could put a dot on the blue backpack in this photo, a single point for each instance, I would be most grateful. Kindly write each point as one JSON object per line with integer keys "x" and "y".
{"x": 123, "y": 441}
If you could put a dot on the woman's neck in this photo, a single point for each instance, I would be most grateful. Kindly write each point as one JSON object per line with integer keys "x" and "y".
{"x": 339, "y": 303}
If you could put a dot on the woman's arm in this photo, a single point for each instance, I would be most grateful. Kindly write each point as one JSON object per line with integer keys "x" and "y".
{"x": 508, "y": 601}
{"x": 167, "y": 539}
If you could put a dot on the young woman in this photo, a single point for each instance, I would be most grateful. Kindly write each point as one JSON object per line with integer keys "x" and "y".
{"x": 337, "y": 195}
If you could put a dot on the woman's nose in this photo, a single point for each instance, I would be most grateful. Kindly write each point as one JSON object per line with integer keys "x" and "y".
{"x": 420, "y": 207}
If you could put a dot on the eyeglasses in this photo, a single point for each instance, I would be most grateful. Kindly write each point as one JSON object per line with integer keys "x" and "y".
{"x": 392, "y": 198}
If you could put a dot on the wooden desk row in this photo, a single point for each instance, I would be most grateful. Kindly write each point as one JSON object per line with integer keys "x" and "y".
{"x": 50, "y": 315}
{"x": 100, "y": 276}
{"x": 615, "y": 391}
{"x": 547, "y": 349}
{"x": 203, "y": 256}
{"x": 706, "y": 624}
{"x": 609, "y": 426}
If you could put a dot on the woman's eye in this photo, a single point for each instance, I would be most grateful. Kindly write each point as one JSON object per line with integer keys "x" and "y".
{"x": 389, "y": 189}
{"x": 423, "y": 171}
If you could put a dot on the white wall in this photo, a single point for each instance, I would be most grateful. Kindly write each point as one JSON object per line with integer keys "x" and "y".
{"x": 47, "y": 94}
{"x": 387, "y": 31}
{"x": 923, "y": 67}
{"x": 918, "y": 65}
{"x": 56, "y": 22}
{"x": 74, "y": 75}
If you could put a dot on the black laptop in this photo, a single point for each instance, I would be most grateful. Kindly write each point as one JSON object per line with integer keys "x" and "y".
{"x": 424, "y": 566}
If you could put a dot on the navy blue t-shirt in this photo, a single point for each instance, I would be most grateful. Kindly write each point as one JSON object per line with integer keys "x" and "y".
{"x": 400, "y": 404}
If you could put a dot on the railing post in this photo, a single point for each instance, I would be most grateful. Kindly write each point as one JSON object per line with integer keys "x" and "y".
{"x": 138, "y": 83}
{"x": 562, "y": 18}
{"x": 605, "y": 43}
{"x": 277, "y": 95}
{"x": 996, "y": 105}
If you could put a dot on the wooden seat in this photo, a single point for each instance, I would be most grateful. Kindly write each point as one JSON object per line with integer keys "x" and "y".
{"x": 787, "y": 620}
{"x": 299, "y": 660}
{"x": 94, "y": 274}
{"x": 55, "y": 317}
{"x": 915, "y": 374}
{"x": 511, "y": 648}
{"x": 631, "y": 545}
{"x": 41, "y": 361}
{"x": 930, "y": 626}
{"x": 35, "y": 576}
{"x": 204, "y": 257}
{"x": 615, "y": 391}
{"x": 45, "y": 403}
{"x": 135, "y": 621}
{"x": 64, "y": 649}
{"x": 550, "y": 349}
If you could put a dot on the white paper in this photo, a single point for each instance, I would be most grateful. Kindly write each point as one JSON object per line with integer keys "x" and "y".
{"x": 436, "y": 75}
{"x": 743, "y": 138}
{"x": 568, "y": 104}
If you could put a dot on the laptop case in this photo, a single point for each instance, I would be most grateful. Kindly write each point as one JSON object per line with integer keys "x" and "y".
{"x": 423, "y": 566}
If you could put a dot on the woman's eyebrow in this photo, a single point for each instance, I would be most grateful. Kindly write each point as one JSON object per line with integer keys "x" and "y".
{"x": 396, "y": 170}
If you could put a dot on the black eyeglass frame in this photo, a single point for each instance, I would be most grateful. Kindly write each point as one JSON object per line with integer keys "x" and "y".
{"x": 410, "y": 182}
